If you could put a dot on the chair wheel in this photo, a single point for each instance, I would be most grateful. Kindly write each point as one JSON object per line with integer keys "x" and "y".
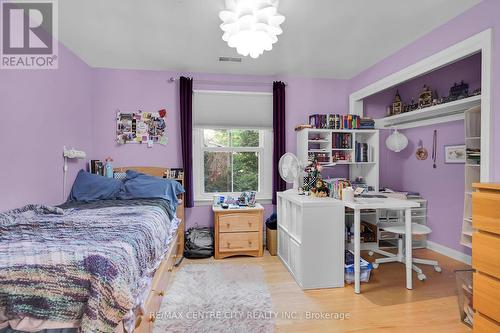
{"x": 437, "y": 269}
{"x": 370, "y": 253}
{"x": 421, "y": 277}
{"x": 375, "y": 265}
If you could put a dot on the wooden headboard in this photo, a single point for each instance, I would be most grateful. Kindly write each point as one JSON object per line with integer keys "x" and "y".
{"x": 163, "y": 173}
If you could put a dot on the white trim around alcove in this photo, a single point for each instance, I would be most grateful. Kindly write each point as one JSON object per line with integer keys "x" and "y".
{"x": 480, "y": 42}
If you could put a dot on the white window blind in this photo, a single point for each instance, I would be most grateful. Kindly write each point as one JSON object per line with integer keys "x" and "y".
{"x": 222, "y": 109}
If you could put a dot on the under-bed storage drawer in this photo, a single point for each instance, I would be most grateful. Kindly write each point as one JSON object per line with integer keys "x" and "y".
{"x": 159, "y": 285}
{"x": 239, "y": 222}
{"x": 239, "y": 241}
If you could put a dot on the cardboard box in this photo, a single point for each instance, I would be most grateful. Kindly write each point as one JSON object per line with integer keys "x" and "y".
{"x": 271, "y": 241}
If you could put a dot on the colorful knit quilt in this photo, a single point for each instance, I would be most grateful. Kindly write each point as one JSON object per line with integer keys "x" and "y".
{"x": 81, "y": 262}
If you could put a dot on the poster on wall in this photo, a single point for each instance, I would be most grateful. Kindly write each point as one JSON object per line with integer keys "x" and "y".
{"x": 141, "y": 127}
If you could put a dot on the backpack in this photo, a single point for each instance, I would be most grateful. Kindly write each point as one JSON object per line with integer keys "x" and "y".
{"x": 199, "y": 243}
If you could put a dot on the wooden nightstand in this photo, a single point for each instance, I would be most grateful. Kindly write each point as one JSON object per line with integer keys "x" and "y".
{"x": 238, "y": 231}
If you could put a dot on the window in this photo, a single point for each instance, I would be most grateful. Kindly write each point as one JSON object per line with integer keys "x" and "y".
{"x": 230, "y": 161}
{"x": 232, "y": 143}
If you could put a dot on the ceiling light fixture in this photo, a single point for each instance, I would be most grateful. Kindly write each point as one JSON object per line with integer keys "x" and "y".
{"x": 251, "y": 26}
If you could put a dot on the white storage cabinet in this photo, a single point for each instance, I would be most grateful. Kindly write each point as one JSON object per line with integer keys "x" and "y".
{"x": 311, "y": 239}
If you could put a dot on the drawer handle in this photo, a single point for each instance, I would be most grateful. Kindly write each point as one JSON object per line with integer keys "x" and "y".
{"x": 152, "y": 318}
{"x": 249, "y": 224}
{"x": 170, "y": 269}
{"x": 161, "y": 293}
{"x": 249, "y": 242}
{"x": 228, "y": 225}
{"x": 228, "y": 245}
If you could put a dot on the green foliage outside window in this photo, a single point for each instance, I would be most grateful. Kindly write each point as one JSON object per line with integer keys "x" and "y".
{"x": 227, "y": 171}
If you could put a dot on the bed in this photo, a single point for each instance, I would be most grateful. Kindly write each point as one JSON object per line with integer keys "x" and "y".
{"x": 99, "y": 266}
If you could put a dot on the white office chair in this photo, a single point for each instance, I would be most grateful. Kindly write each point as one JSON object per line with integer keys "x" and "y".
{"x": 417, "y": 229}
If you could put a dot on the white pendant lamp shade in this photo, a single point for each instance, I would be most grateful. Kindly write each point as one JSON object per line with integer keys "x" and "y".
{"x": 396, "y": 141}
{"x": 251, "y": 26}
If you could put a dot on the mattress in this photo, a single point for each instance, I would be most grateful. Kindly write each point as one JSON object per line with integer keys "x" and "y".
{"x": 129, "y": 238}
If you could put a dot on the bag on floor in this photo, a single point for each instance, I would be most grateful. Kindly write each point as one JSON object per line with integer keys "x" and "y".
{"x": 199, "y": 243}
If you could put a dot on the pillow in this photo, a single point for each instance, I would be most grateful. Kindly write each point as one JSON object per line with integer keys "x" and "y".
{"x": 90, "y": 187}
{"x": 119, "y": 175}
{"x": 138, "y": 185}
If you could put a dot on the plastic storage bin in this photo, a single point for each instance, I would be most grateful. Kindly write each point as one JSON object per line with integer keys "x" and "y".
{"x": 464, "y": 289}
{"x": 365, "y": 266}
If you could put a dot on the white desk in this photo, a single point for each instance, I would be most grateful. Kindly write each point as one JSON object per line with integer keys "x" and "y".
{"x": 381, "y": 203}
{"x": 311, "y": 237}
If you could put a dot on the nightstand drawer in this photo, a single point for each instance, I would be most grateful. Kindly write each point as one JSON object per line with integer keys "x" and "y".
{"x": 239, "y": 241}
{"x": 239, "y": 222}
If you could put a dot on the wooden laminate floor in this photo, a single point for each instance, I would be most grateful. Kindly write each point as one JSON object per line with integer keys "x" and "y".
{"x": 385, "y": 305}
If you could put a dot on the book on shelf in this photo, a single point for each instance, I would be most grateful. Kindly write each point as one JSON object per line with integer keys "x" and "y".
{"x": 341, "y": 140}
{"x": 363, "y": 152}
{"x": 340, "y": 121}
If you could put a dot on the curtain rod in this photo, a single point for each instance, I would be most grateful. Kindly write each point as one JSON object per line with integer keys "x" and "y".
{"x": 236, "y": 83}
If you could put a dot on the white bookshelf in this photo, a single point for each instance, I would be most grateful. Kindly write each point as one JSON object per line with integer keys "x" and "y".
{"x": 472, "y": 124}
{"x": 319, "y": 141}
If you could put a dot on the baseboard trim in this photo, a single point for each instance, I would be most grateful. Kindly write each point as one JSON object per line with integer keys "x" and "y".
{"x": 454, "y": 254}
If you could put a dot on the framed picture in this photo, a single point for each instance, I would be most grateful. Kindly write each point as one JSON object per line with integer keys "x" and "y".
{"x": 454, "y": 154}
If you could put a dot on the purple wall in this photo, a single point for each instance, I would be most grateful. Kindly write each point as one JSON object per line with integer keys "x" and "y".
{"x": 129, "y": 90}
{"x": 41, "y": 111}
{"x": 444, "y": 186}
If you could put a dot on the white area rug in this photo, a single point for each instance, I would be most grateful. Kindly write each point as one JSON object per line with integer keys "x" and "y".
{"x": 219, "y": 298}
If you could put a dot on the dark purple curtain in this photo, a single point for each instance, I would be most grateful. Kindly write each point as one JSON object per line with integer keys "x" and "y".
{"x": 279, "y": 135}
{"x": 186, "y": 99}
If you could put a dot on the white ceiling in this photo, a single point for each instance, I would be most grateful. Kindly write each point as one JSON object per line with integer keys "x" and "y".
{"x": 322, "y": 38}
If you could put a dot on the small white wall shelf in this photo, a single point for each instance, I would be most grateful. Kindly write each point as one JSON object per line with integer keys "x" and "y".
{"x": 431, "y": 115}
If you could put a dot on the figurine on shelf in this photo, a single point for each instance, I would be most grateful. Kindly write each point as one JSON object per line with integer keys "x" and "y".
{"x": 313, "y": 183}
{"x": 425, "y": 97}
{"x": 435, "y": 98}
{"x": 414, "y": 105}
{"x": 312, "y": 173}
{"x": 476, "y": 92}
{"x": 320, "y": 189}
{"x": 458, "y": 91}
{"x": 397, "y": 105}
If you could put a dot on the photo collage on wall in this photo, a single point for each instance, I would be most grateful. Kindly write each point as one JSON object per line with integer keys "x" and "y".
{"x": 141, "y": 127}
